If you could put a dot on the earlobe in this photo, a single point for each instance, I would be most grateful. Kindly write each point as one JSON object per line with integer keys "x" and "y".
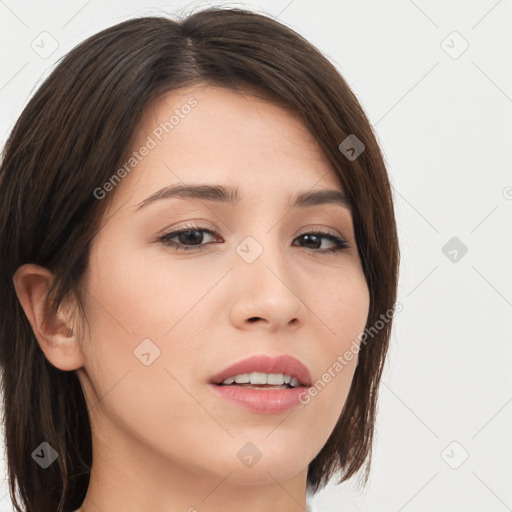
{"x": 54, "y": 332}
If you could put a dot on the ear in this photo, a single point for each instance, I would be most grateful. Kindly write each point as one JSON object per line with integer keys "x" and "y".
{"x": 54, "y": 332}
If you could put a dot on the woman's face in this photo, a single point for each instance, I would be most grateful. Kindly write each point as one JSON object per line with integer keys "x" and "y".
{"x": 167, "y": 315}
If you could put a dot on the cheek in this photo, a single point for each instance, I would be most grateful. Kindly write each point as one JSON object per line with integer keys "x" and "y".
{"x": 143, "y": 311}
{"x": 341, "y": 303}
{"x": 350, "y": 317}
{"x": 139, "y": 312}
{"x": 342, "y": 308}
{"x": 141, "y": 296}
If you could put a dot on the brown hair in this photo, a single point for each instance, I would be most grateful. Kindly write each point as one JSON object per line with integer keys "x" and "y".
{"x": 72, "y": 135}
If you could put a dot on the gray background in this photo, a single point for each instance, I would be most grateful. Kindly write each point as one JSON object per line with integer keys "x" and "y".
{"x": 443, "y": 116}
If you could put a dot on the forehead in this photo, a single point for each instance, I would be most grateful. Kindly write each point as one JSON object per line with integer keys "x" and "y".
{"x": 214, "y": 134}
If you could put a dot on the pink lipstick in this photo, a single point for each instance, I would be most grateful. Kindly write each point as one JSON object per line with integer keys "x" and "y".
{"x": 262, "y": 383}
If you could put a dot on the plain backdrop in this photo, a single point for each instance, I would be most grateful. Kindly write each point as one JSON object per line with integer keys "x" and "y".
{"x": 435, "y": 80}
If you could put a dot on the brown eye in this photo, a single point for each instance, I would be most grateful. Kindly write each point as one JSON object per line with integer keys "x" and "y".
{"x": 314, "y": 241}
{"x": 189, "y": 237}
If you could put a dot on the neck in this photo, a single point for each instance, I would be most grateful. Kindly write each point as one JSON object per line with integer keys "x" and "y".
{"x": 128, "y": 475}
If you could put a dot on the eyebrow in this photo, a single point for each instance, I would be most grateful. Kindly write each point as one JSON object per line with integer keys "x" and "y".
{"x": 229, "y": 195}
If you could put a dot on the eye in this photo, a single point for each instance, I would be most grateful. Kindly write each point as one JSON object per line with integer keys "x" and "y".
{"x": 315, "y": 239}
{"x": 189, "y": 237}
{"x": 192, "y": 236}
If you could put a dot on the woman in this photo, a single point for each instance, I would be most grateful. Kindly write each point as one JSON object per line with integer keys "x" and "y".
{"x": 196, "y": 238}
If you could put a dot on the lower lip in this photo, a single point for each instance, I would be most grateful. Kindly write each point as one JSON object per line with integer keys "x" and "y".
{"x": 266, "y": 401}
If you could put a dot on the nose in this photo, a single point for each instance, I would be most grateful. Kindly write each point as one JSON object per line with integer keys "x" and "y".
{"x": 266, "y": 294}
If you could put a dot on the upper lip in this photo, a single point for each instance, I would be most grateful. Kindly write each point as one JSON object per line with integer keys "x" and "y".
{"x": 284, "y": 364}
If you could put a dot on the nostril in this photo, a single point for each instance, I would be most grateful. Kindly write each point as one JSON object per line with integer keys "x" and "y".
{"x": 254, "y": 319}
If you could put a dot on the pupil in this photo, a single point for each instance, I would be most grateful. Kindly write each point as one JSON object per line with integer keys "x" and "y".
{"x": 185, "y": 238}
{"x": 312, "y": 238}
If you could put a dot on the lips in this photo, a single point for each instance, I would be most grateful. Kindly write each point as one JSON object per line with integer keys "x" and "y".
{"x": 267, "y": 364}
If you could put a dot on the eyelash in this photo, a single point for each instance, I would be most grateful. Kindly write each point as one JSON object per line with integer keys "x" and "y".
{"x": 340, "y": 244}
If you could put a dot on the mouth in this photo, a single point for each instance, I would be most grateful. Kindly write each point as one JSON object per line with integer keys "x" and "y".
{"x": 263, "y": 384}
{"x": 260, "y": 380}
{"x": 265, "y": 372}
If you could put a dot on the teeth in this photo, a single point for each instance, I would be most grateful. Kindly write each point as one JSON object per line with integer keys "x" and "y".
{"x": 258, "y": 378}
{"x": 274, "y": 379}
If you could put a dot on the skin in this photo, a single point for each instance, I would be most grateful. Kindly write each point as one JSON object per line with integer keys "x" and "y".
{"x": 162, "y": 441}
